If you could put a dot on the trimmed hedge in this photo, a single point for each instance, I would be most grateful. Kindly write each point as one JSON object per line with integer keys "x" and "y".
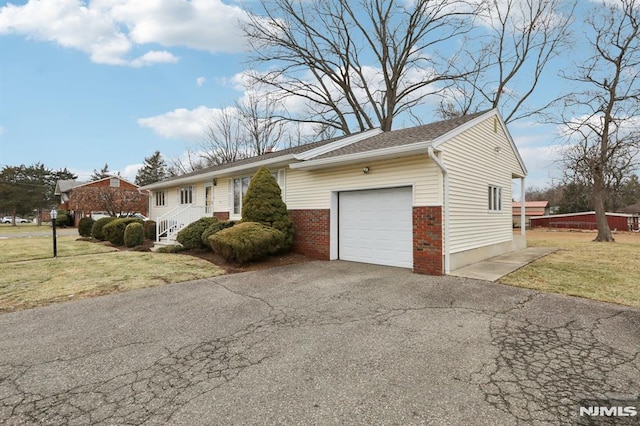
{"x": 247, "y": 241}
{"x": 97, "y": 230}
{"x": 216, "y": 227}
{"x": 191, "y": 236}
{"x": 134, "y": 234}
{"x": 114, "y": 230}
{"x": 263, "y": 203}
{"x": 150, "y": 230}
{"x": 85, "y": 226}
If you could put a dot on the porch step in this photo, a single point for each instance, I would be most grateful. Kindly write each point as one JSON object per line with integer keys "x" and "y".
{"x": 164, "y": 242}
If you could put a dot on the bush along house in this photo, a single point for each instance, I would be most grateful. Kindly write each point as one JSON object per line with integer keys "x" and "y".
{"x": 432, "y": 198}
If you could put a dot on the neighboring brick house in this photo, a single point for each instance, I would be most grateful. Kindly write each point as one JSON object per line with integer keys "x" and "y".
{"x": 531, "y": 209}
{"x": 65, "y": 190}
{"x": 432, "y": 198}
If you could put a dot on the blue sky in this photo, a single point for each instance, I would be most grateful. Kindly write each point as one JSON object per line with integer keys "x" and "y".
{"x": 111, "y": 81}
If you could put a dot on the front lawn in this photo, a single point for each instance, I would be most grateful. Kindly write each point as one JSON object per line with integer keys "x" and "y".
{"x": 608, "y": 272}
{"x": 30, "y": 276}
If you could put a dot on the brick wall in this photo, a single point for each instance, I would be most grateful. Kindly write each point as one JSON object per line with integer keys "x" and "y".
{"x": 221, "y": 215}
{"x": 427, "y": 240}
{"x": 312, "y": 228}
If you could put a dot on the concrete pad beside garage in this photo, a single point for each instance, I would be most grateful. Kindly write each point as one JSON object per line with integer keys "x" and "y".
{"x": 497, "y": 267}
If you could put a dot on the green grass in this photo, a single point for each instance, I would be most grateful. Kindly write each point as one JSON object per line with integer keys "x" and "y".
{"x": 607, "y": 272}
{"x": 30, "y": 276}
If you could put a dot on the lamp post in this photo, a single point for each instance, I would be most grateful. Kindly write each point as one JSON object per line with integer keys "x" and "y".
{"x": 54, "y": 216}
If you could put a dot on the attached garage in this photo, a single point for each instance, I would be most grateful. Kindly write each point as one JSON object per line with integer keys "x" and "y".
{"x": 375, "y": 226}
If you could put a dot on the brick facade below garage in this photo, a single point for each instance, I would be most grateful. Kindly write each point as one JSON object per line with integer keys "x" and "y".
{"x": 312, "y": 228}
{"x": 427, "y": 240}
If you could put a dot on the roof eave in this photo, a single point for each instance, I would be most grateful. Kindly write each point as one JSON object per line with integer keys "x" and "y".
{"x": 358, "y": 157}
{"x": 277, "y": 161}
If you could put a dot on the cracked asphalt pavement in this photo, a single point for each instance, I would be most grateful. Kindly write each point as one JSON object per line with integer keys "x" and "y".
{"x": 319, "y": 343}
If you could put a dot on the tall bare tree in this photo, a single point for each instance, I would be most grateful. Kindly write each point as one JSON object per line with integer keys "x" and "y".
{"x": 602, "y": 117}
{"x": 261, "y": 130}
{"x": 514, "y": 45}
{"x": 357, "y": 64}
{"x": 224, "y": 140}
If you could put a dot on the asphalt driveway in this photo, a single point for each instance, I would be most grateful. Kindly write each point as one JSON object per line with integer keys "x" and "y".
{"x": 319, "y": 343}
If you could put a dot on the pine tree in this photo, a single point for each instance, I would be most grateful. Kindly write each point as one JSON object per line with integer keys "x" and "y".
{"x": 101, "y": 174}
{"x": 153, "y": 170}
{"x": 263, "y": 203}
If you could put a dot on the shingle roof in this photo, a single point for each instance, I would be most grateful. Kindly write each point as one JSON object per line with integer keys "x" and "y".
{"x": 247, "y": 161}
{"x": 65, "y": 185}
{"x": 425, "y": 133}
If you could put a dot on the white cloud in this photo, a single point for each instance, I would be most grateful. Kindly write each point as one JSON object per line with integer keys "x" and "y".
{"x": 129, "y": 172}
{"x": 109, "y": 30}
{"x": 2, "y": 130}
{"x": 200, "y": 81}
{"x": 181, "y": 123}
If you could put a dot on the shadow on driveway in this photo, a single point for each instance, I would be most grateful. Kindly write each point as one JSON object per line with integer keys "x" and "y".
{"x": 320, "y": 342}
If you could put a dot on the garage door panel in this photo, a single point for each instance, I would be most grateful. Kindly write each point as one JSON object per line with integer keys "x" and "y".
{"x": 375, "y": 226}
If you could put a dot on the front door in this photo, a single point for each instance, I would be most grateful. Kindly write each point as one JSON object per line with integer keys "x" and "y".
{"x": 208, "y": 199}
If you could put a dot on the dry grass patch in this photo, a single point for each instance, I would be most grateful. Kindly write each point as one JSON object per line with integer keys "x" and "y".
{"x": 607, "y": 272}
{"x": 30, "y": 248}
{"x": 30, "y": 276}
{"x": 41, "y": 282}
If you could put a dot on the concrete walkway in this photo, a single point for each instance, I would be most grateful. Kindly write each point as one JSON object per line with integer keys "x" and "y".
{"x": 497, "y": 267}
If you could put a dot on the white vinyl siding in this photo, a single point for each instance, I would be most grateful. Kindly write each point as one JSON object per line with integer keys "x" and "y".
{"x": 311, "y": 189}
{"x": 477, "y": 159}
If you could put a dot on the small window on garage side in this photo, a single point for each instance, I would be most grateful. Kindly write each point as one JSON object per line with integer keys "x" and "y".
{"x": 495, "y": 198}
{"x": 114, "y": 182}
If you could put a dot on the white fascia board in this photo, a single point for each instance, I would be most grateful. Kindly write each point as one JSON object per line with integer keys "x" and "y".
{"x": 229, "y": 171}
{"x": 307, "y": 155}
{"x": 378, "y": 154}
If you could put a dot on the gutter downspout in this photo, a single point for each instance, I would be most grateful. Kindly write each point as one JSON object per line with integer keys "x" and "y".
{"x": 523, "y": 223}
{"x": 445, "y": 219}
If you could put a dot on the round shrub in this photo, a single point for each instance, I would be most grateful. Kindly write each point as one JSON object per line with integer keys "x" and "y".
{"x": 85, "y": 225}
{"x": 150, "y": 230}
{"x": 218, "y": 226}
{"x": 191, "y": 236}
{"x": 263, "y": 203}
{"x": 134, "y": 234}
{"x": 114, "y": 230}
{"x": 97, "y": 230}
{"x": 247, "y": 241}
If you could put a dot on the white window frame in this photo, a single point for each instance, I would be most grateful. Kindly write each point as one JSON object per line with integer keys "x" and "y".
{"x": 495, "y": 198}
{"x": 114, "y": 182}
{"x": 160, "y": 198}
{"x": 185, "y": 195}
{"x": 236, "y": 210}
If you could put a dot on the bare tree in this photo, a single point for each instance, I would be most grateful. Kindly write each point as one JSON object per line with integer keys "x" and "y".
{"x": 320, "y": 52}
{"x": 224, "y": 139}
{"x": 602, "y": 118}
{"x": 115, "y": 201}
{"x": 514, "y": 45}
{"x": 261, "y": 131}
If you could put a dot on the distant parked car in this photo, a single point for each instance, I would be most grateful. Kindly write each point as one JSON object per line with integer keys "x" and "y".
{"x": 135, "y": 215}
{"x": 9, "y": 219}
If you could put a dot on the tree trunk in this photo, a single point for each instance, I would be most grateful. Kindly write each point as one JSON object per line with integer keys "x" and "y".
{"x": 604, "y": 233}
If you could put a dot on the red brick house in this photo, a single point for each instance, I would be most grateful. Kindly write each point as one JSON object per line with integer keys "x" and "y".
{"x": 112, "y": 195}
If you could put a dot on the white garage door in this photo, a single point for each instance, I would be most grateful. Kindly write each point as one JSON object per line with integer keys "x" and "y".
{"x": 375, "y": 226}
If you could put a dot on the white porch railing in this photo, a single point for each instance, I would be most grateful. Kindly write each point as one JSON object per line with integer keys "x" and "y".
{"x": 170, "y": 223}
